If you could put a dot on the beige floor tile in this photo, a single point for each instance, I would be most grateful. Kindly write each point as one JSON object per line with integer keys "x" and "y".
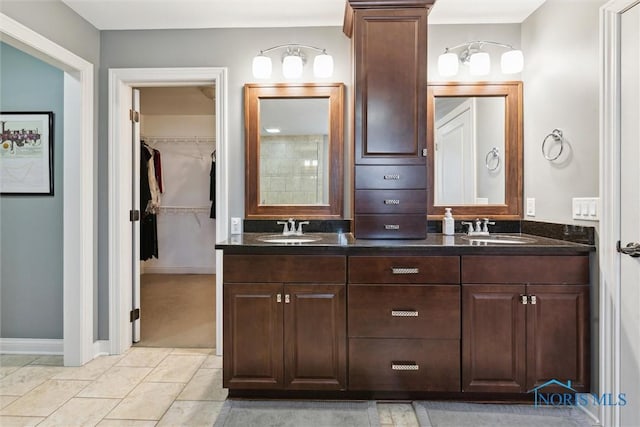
{"x": 176, "y": 368}
{"x": 206, "y": 351}
{"x": 56, "y": 360}
{"x": 25, "y": 379}
{"x": 90, "y": 371}
{"x": 11, "y": 362}
{"x": 212, "y": 362}
{"x": 44, "y": 399}
{"x": 6, "y": 400}
{"x": 384, "y": 412}
{"x": 116, "y": 382}
{"x": 80, "y": 412}
{"x": 206, "y": 384}
{"x": 403, "y": 415}
{"x": 193, "y": 414}
{"x": 126, "y": 423}
{"x": 19, "y": 421}
{"x": 146, "y": 357}
{"x": 148, "y": 401}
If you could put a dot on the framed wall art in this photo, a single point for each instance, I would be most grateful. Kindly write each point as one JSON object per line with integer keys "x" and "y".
{"x": 26, "y": 153}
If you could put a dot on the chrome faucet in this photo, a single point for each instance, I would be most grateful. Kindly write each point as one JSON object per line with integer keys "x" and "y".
{"x": 289, "y": 227}
{"x": 481, "y": 227}
{"x": 300, "y": 224}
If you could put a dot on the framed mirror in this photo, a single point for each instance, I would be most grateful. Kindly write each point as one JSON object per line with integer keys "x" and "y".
{"x": 475, "y": 143}
{"x": 294, "y": 150}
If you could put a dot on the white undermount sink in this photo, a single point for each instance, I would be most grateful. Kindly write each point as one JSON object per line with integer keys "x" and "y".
{"x": 499, "y": 239}
{"x": 279, "y": 238}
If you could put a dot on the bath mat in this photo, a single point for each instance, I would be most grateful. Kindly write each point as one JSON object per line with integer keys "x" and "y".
{"x": 287, "y": 413}
{"x": 460, "y": 414}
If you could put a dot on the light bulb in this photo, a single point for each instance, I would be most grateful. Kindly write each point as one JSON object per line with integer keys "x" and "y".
{"x": 292, "y": 66}
{"x": 261, "y": 67}
{"x": 323, "y": 65}
{"x": 448, "y": 64}
{"x": 479, "y": 64}
{"x": 512, "y": 62}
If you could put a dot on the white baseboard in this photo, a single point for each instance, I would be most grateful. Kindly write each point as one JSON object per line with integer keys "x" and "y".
{"x": 101, "y": 348}
{"x": 179, "y": 270}
{"x": 31, "y": 346}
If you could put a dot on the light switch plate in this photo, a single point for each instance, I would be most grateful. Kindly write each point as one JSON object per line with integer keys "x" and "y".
{"x": 586, "y": 208}
{"x": 236, "y": 225}
{"x": 531, "y": 206}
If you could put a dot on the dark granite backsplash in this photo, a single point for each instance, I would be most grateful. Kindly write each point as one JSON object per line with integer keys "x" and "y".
{"x": 569, "y": 233}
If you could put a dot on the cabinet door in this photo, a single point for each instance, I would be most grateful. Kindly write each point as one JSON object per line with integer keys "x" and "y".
{"x": 315, "y": 337}
{"x": 558, "y": 336}
{"x": 253, "y": 336}
{"x": 493, "y": 338}
{"x": 390, "y": 86}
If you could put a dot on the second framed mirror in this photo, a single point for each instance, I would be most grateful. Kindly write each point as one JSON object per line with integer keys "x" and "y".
{"x": 475, "y": 143}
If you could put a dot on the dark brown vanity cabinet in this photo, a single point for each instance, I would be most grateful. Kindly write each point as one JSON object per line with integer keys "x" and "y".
{"x": 389, "y": 41}
{"x": 404, "y": 323}
{"x": 284, "y": 322}
{"x": 525, "y": 321}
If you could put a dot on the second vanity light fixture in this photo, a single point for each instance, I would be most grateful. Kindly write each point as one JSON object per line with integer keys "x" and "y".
{"x": 478, "y": 60}
{"x": 293, "y": 60}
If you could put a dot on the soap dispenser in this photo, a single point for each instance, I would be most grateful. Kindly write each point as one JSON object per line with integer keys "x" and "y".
{"x": 448, "y": 223}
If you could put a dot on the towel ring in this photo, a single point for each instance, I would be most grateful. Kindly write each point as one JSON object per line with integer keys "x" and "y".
{"x": 556, "y": 134}
{"x": 495, "y": 154}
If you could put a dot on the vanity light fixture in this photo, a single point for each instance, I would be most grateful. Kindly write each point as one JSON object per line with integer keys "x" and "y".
{"x": 479, "y": 62}
{"x": 293, "y": 60}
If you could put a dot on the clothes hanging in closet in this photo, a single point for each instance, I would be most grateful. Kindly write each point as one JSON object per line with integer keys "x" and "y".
{"x": 149, "y": 203}
{"x": 212, "y": 185}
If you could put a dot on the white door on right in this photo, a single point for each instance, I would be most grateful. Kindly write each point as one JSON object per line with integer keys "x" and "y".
{"x": 630, "y": 216}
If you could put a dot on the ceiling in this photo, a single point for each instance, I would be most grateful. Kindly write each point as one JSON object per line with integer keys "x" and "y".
{"x": 163, "y": 14}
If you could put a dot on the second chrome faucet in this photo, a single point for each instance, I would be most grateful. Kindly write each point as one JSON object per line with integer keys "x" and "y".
{"x": 481, "y": 227}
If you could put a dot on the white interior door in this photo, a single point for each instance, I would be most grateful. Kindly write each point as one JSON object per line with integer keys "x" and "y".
{"x": 135, "y": 180}
{"x": 630, "y": 215}
{"x": 455, "y": 156}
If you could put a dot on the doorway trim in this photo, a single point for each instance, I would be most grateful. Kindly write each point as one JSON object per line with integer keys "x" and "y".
{"x": 119, "y": 205}
{"x": 610, "y": 115}
{"x": 78, "y": 185}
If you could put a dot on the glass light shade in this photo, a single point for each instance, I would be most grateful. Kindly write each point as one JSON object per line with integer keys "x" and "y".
{"x": 323, "y": 66}
{"x": 448, "y": 64}
{"x": 512, "y": 62}
{"x": 479, "y": 64}
{"x": 292, "y": 67}
{"x": 261, "y": 67}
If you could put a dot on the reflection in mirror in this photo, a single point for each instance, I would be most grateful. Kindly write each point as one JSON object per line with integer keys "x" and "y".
{"x": 474, "y": 130}
{"x": 469, "y": 145}
{"x": 294, "y": 151}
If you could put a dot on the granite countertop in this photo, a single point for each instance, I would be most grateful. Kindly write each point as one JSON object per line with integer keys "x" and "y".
{"x": 345, "y": 243}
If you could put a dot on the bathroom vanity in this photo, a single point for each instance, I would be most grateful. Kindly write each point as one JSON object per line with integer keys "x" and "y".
{"x": 395, "y": 318}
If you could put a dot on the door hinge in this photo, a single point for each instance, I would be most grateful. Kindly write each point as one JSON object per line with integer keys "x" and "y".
{"x": 134, "y": 315}
{"x": 134, "y": 116}
{"x": 134, "y": 215}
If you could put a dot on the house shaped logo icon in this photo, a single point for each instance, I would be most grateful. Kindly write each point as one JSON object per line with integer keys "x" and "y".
{"x": 569, "y": 391}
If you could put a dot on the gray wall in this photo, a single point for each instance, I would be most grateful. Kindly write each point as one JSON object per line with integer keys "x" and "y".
{"x": 231, "y": 48}
{"x": 31, "y": 226}
{"x": 60, "y": 24}
{"x": 561, "y": 89}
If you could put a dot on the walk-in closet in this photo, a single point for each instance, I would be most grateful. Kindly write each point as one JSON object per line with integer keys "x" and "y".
{"x": 177, "y": 209}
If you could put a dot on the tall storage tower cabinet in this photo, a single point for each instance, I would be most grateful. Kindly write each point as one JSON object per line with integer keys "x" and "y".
{"x": 389, "y": 42}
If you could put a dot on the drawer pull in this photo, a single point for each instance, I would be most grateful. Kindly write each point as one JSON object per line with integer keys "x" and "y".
{"x": 398, "y": 270}
{"x": 391, "y": 227}
{"x": 404, "y": 313}
{"x": 392, "y": 202}
{"x": 392, "y": 177}
{"x": 404, "y": 366}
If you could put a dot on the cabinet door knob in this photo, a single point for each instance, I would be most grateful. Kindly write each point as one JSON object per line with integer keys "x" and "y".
{"x": 402, "y": 270}
{"x": 524, "y": 299}
{"x": 278, "y": 297}
{"x": 532, "y": 298}
{"x": 404, "y": 313}
{"x": 392, "y": 177}
{"x": 392, "y": 202}
{"x": 287, "y": 299}
{"x": 391, "y": 227}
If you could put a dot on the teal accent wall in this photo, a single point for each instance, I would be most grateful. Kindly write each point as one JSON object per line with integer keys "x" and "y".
{"x": 31, "y": 226}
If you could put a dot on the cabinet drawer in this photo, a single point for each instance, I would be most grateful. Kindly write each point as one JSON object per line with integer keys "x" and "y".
{"x": 405, "y": 269}
{"x": 390, "y": 177}
{"x": 285, "y": 268}
{"x": 404, "y": 311}
{"x": 403, "y": 364}
{"x": 391, "y": 226}
{"x": 390, "y": 201}
{"x": 550, "y": 269}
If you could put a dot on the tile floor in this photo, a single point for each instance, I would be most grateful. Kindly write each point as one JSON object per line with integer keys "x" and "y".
{"x": 143, "y": 387}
